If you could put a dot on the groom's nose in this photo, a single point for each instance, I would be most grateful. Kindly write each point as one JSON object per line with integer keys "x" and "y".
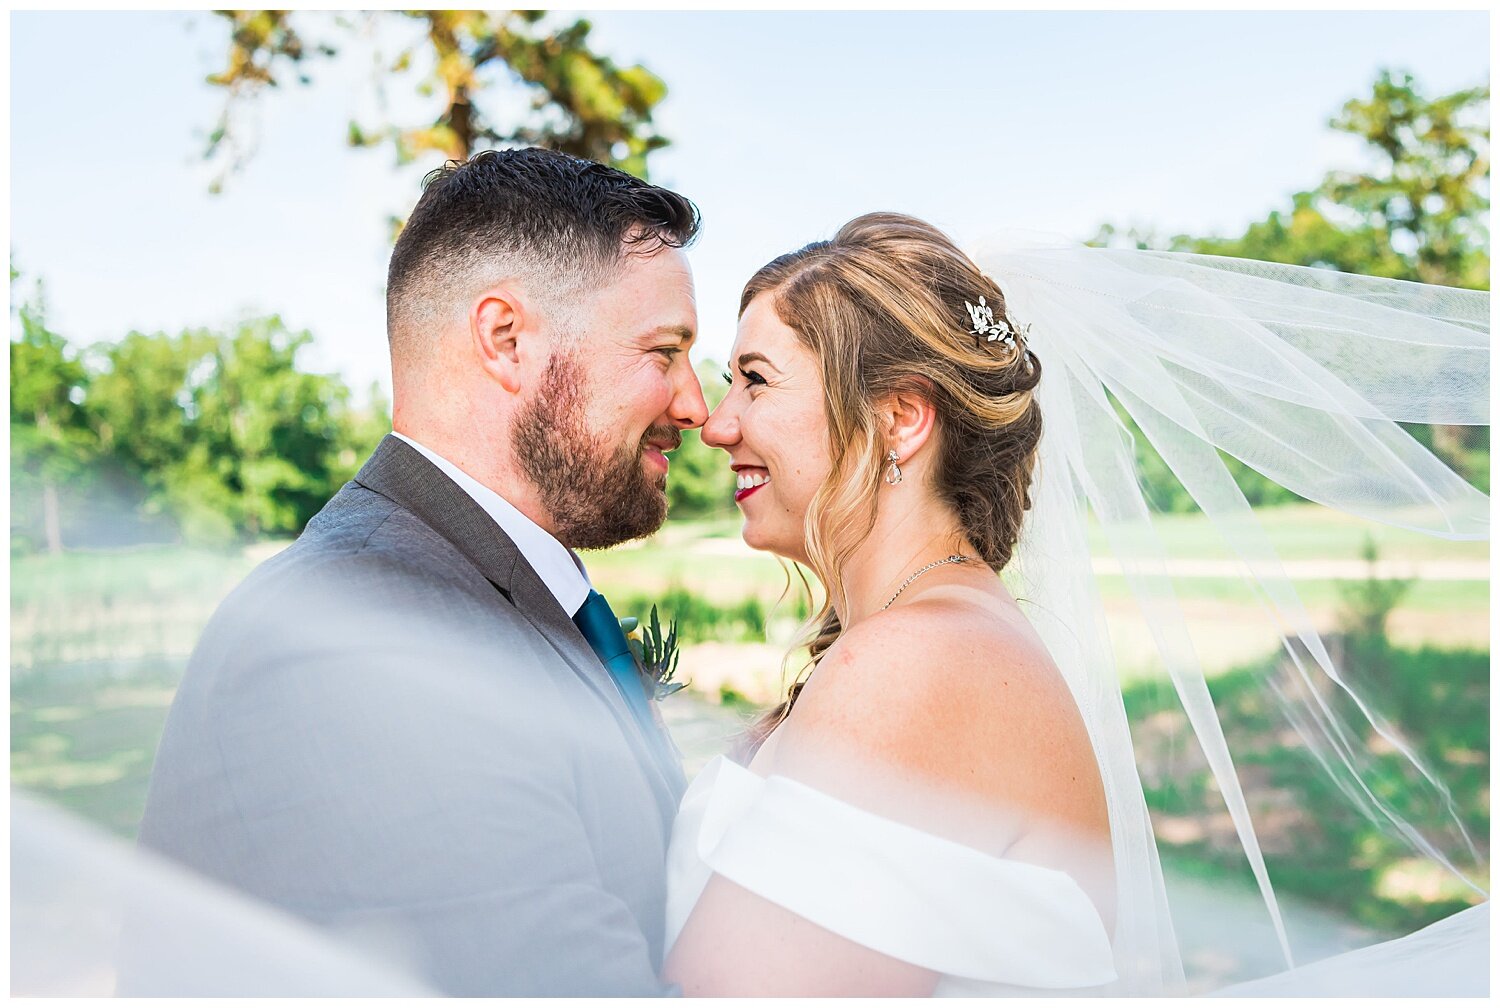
{"x": 687, "y": 408}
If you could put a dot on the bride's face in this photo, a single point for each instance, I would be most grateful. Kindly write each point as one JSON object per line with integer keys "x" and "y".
{"x": 773, "y": 426}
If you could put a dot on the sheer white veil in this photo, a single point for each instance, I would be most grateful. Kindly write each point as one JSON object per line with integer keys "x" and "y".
{"x": 92, "y": 916}
{"x": 1303, "y": 374}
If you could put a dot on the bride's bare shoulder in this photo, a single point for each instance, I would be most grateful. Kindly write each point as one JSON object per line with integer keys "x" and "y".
{"x": 949, "y": 656}
{"x": 953, "y": 688}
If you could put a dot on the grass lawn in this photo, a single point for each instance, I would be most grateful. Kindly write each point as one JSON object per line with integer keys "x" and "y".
{"x": 1306, "y": 532}
{"x": 107, "y": 576}
{"x": 88, "y": 744}
{"x": 1315, "y": 843}
{"x": 98, "y": 640}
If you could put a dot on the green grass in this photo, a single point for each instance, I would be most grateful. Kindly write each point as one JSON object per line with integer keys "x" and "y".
{"x": 1304, "y": 532}
{"x": 95, "y": 577}
{"x": 675, "y": 558}
{"x": 88, "y": 743}
{"x": 1317, "y": 845}
{"x": 717, "y": 577}
{"x": 105, "y": 608}
{"x": 1425, "y": 596}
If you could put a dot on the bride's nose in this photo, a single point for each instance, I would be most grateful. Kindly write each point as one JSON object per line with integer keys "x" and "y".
{"x": 723, "y": 427}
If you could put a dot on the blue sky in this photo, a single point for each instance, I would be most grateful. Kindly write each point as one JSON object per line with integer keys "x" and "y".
{"x": 783, "y": 126}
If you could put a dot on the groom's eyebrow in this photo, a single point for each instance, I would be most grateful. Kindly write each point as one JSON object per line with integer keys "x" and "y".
{"x": 682, "y": 332}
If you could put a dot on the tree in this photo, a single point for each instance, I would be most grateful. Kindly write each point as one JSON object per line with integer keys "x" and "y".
{"x": 141, "y": 406}
{"x": 266, "y": 437}
{"x": 701, "y": 482}
{"x": 50, "y": 442}
{"x": 1430, "y": 189}
{"x": 362, "y": 428}
{"x": 581, "y": 102}
{"x": 1418, "y": 214}
{"x": 228, "y": 437}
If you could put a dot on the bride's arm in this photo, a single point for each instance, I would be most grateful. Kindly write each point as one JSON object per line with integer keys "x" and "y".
{"x": 737, "y": 944}
{"x": 921, "y": 725}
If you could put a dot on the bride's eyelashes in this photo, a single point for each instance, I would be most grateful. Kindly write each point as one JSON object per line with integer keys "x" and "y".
{"x": 751, "y": 378}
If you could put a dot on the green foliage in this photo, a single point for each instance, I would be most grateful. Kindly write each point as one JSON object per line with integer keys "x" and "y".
{"x": 1430, "y": 185}
{"x": 1419, "y": 214}
{"x": 1365, "y": 609}
{"x": 735, "y": 700}
{"x": 659, "y": 655}
{"x": 267, "y": 435}
{"x": 227, "y": 435}
{"x": 701, "y": 483}
{"x": 1319, "y": 847}
{"x": 697, "y": 619}
{"x": 50, "y": 443}
{"x": 218, "y": 436}
{"x": 1304, "y": 235}
{"x": 1165, "y": 493}
{"x": 1326, "y": 850}
{"x": 580, "y": 102}
{"x": 48, "y": 381}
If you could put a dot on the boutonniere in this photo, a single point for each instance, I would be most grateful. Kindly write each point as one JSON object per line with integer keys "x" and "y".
{"x": 657, "y": 654}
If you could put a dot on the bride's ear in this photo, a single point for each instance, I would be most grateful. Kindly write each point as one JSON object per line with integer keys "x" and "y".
{"x": 908, "y": 418}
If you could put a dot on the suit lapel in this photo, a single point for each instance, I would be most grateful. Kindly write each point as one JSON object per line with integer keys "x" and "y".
{"x": 558, "y": 627}
{"x": 401, "y": 473}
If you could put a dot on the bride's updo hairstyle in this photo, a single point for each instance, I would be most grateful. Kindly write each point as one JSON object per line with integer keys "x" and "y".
{"x": 884, "y": 308}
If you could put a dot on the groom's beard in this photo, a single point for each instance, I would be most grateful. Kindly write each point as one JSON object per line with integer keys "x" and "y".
{"x": 597, "y": 496}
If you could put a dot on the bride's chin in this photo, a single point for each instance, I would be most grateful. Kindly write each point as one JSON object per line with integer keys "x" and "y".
{"x": 756, "y": 539}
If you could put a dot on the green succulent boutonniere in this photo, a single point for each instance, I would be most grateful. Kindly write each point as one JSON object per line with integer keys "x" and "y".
{"x": 656, "y": 652}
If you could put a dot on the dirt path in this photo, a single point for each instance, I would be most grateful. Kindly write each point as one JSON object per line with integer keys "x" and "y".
{"x": 1328, "y": 569}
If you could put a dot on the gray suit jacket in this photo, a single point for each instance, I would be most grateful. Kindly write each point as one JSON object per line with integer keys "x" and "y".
{"x": 393, "y": 730}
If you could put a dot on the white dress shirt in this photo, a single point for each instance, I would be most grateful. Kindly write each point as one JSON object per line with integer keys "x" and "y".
{"x": 558, "y": 567}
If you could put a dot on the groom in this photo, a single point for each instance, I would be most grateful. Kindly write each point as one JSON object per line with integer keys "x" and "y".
{"x": 415, "y": 726}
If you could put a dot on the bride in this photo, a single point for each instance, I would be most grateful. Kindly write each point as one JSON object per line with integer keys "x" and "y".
{"x": 947, "y": 804}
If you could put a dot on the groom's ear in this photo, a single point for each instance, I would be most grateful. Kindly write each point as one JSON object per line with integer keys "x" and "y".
{"x": 496, "y": 322}
{"x": 908, "y": 417}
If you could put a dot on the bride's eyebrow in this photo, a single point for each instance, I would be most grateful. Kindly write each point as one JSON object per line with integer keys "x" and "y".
{"x": 746, "y": 359}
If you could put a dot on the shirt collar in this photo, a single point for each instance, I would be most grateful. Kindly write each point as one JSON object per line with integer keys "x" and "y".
{"x": 559, "y": 567}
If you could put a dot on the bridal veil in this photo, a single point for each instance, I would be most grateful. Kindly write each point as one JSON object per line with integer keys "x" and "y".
{"x": 1305, "y": 376}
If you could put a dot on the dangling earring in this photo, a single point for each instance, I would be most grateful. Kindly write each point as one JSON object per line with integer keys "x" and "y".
{"x": 893, "y": 474}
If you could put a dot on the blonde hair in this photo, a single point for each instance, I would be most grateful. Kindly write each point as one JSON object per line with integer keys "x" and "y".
{"x": 883, "y": 308}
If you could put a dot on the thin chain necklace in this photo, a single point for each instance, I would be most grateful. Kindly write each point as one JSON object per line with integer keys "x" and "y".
{"x": 955, "y": 558}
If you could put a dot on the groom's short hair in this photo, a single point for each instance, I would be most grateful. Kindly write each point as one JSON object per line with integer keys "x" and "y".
{"x": 563, "y": 223}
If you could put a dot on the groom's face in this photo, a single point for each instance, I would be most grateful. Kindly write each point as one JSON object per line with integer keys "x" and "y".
{"x": 611, "y": 402}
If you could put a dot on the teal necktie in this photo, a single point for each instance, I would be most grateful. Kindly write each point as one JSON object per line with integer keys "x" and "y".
{"x": 602, "y": 630}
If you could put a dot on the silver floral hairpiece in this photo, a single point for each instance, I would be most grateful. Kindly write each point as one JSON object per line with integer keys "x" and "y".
{"x": 991, "y": 328}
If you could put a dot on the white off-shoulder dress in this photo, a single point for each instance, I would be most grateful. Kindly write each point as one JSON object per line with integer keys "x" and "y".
{"x": 990, "y": 926}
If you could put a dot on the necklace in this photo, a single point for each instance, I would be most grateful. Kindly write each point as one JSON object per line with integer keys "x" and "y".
{"x": 955, "y": 558}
